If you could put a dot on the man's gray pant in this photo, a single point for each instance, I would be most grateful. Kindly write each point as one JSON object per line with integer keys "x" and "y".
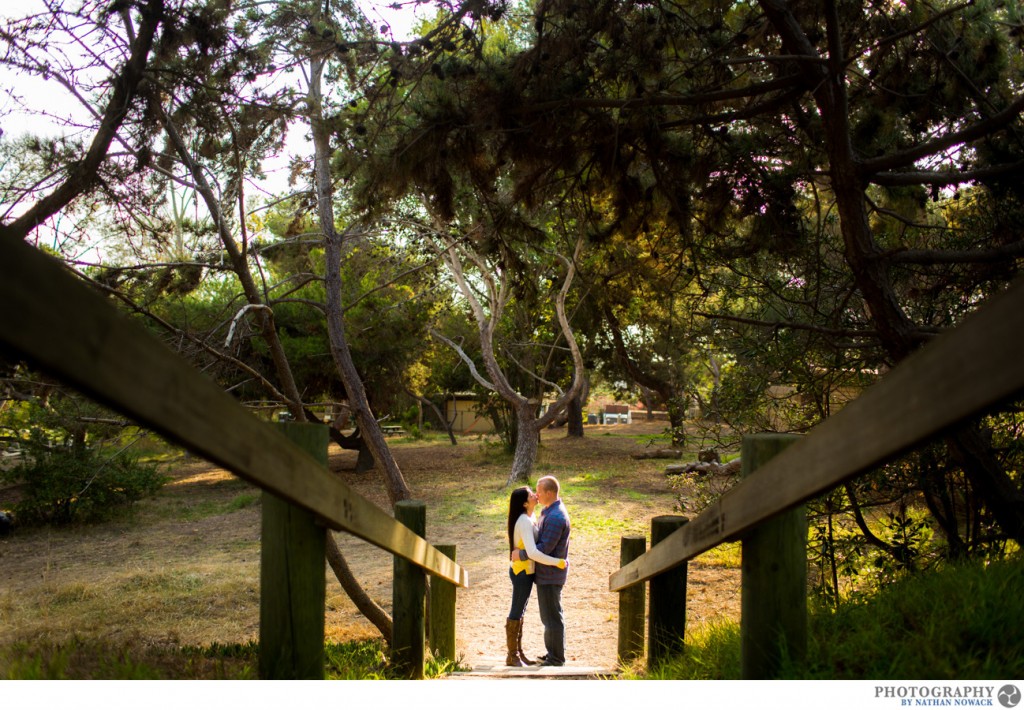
{"x": 549, "y": 599}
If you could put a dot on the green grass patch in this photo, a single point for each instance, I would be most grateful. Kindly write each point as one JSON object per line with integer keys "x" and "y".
{"x": 187, "y": 510}
{"x": 487, "y": 507}
{"x": 82, "y": 659}
{"x": 959, "y": 622}
{"x": 586, "y": 521}
{"x": 728, "y": 554}
{"x": 712, "y": 652}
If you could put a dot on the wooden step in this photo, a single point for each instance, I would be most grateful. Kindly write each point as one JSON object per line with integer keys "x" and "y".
{"x": 496, "y": 668}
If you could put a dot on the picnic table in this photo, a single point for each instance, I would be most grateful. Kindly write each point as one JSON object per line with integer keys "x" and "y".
{"x": 392, "y": 430}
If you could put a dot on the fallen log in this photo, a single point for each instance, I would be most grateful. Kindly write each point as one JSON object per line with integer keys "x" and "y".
{"x": 704, "y": 468}
{"x": 658, "y": 454}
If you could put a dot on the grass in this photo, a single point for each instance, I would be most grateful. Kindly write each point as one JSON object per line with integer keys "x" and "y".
{"x": 89, "y": 659}
{"x": 728, "y": 554}
{"x": 185, "y": 510}
{"x": 960, "y": 622}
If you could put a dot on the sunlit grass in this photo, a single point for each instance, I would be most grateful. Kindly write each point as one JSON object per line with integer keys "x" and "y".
{"x": 956, "y": 623}
{"x": 728, "y": 554}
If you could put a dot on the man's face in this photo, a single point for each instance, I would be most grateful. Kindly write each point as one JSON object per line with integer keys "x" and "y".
{"x": 545, "y": 496}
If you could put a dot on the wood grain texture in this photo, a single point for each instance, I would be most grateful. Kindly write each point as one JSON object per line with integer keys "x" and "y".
{"x": 666, "y": 604}
{"x": 409, "y": 600}
{"x": 443, "y": 596}
{"x": 65, "y": 328}
{"x": 292, "y": 581}
{"x": 959, "y": 375}
{"x": 632, "y": 604}
{"x": 773, "y": 597}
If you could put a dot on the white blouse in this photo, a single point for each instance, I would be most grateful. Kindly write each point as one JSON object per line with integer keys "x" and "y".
{"x": 524, "y": 537}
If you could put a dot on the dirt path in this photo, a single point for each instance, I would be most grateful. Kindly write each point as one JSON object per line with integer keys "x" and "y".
{"x": 181, "y": 575}
{"x": 591, "y": 611}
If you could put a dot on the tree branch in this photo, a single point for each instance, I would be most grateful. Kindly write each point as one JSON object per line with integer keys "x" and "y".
{"x": 570, "y": 339}
{"x": 83, "y": 174}
{"x": 979, "y": 129}
{"x": 465, "y": 358}
{"x": 946, "y": 178}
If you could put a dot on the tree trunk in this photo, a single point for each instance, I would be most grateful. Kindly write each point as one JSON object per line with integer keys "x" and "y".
{"x": 574, "y": 412}
{"x": 364, "y": 459}
{"x": 526, "y": 444}
{"x": 575, "y": 408}
{"x": 647, "y": 394}
{"x": 1003, "y": 497}
{"x": 366, "y": 606}
{"x": 368, "y": 426}
{"x": 677, "y": 420}
{"x": 438, "y": 414}
{"x": 333, "y": 253}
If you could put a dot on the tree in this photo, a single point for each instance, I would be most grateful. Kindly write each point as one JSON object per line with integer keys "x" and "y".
{"x": 487, "y": 306}
{"x": 792, "y": 145}
{"x": 201, "y": 92}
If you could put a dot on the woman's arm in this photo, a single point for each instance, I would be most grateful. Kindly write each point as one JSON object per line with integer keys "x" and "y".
{"x": 524, "y": 529}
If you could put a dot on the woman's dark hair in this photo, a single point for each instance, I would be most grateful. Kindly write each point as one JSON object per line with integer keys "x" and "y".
{"x": 515, "y": 508}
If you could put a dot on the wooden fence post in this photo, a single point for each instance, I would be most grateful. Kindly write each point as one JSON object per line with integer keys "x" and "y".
{"x": 408, "y": 599}
{"x": 442, "y": 612}
{"x": 773, "y": 624}
{"x": 632, "y": 603}
{"x": 292, "y": 577}
{"x": 666, "y": 624}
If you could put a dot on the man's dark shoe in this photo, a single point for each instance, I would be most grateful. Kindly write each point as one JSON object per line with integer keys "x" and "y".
{"x": 548, "y": 662}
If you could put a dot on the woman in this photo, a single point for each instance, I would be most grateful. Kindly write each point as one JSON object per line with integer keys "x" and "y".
{"x": 522, "y": 532}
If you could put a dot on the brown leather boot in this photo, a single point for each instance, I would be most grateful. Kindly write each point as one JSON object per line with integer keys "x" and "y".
{"x": 519, "y": 647}
{"x": 513, "y": 629}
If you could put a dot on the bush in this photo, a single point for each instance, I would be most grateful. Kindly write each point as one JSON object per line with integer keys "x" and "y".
{"x": 65, "y": 484}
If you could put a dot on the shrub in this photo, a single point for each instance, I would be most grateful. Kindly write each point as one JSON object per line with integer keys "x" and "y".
{"x": 64, "y": 484}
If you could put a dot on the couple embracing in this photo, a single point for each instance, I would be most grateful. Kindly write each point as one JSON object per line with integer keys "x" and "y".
{"x": 538, "y": 551}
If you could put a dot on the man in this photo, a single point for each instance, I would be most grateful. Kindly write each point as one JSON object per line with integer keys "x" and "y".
{"x": 552, "y": 539}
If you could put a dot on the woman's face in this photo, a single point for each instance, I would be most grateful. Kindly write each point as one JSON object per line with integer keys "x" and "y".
{"x": 531, "y": 503}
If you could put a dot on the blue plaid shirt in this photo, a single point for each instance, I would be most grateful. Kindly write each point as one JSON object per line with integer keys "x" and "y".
{"x": 553, "y": 539}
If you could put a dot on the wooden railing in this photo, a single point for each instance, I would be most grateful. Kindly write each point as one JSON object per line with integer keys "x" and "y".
{"x": 64, "y": 327}
{"x": 964, "y": 372}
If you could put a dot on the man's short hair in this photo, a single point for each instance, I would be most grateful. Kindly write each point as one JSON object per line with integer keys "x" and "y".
{"x": 548, "y": 483}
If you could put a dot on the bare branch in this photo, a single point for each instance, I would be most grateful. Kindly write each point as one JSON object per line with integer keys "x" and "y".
{"x": 238, "y": 316}
{"x": 530, "y": 372}
{"x": 465, "y": 358}
{"x": 944, "y": 178}
{"x": 570, "y": 339}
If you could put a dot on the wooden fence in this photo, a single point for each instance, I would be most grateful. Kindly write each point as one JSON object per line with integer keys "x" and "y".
{"x": 64, "y": 327}
{"x": 961, "y": 374}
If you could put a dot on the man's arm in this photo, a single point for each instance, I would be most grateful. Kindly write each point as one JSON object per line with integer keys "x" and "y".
{"x": 551, "y": 532}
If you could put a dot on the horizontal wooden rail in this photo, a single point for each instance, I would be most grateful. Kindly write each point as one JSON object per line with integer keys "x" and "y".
{"x": 62, "y": 326}
{"x": 962, "y": 373}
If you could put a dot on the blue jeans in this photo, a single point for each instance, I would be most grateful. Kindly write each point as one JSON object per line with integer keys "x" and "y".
{"x": 522, "y": 585}
{"x": 549, "y": 598}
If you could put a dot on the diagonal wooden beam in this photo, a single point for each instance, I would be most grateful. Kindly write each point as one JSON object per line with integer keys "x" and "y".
{"x": 962, "y": 373}
{"x": 62, "y": 326}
